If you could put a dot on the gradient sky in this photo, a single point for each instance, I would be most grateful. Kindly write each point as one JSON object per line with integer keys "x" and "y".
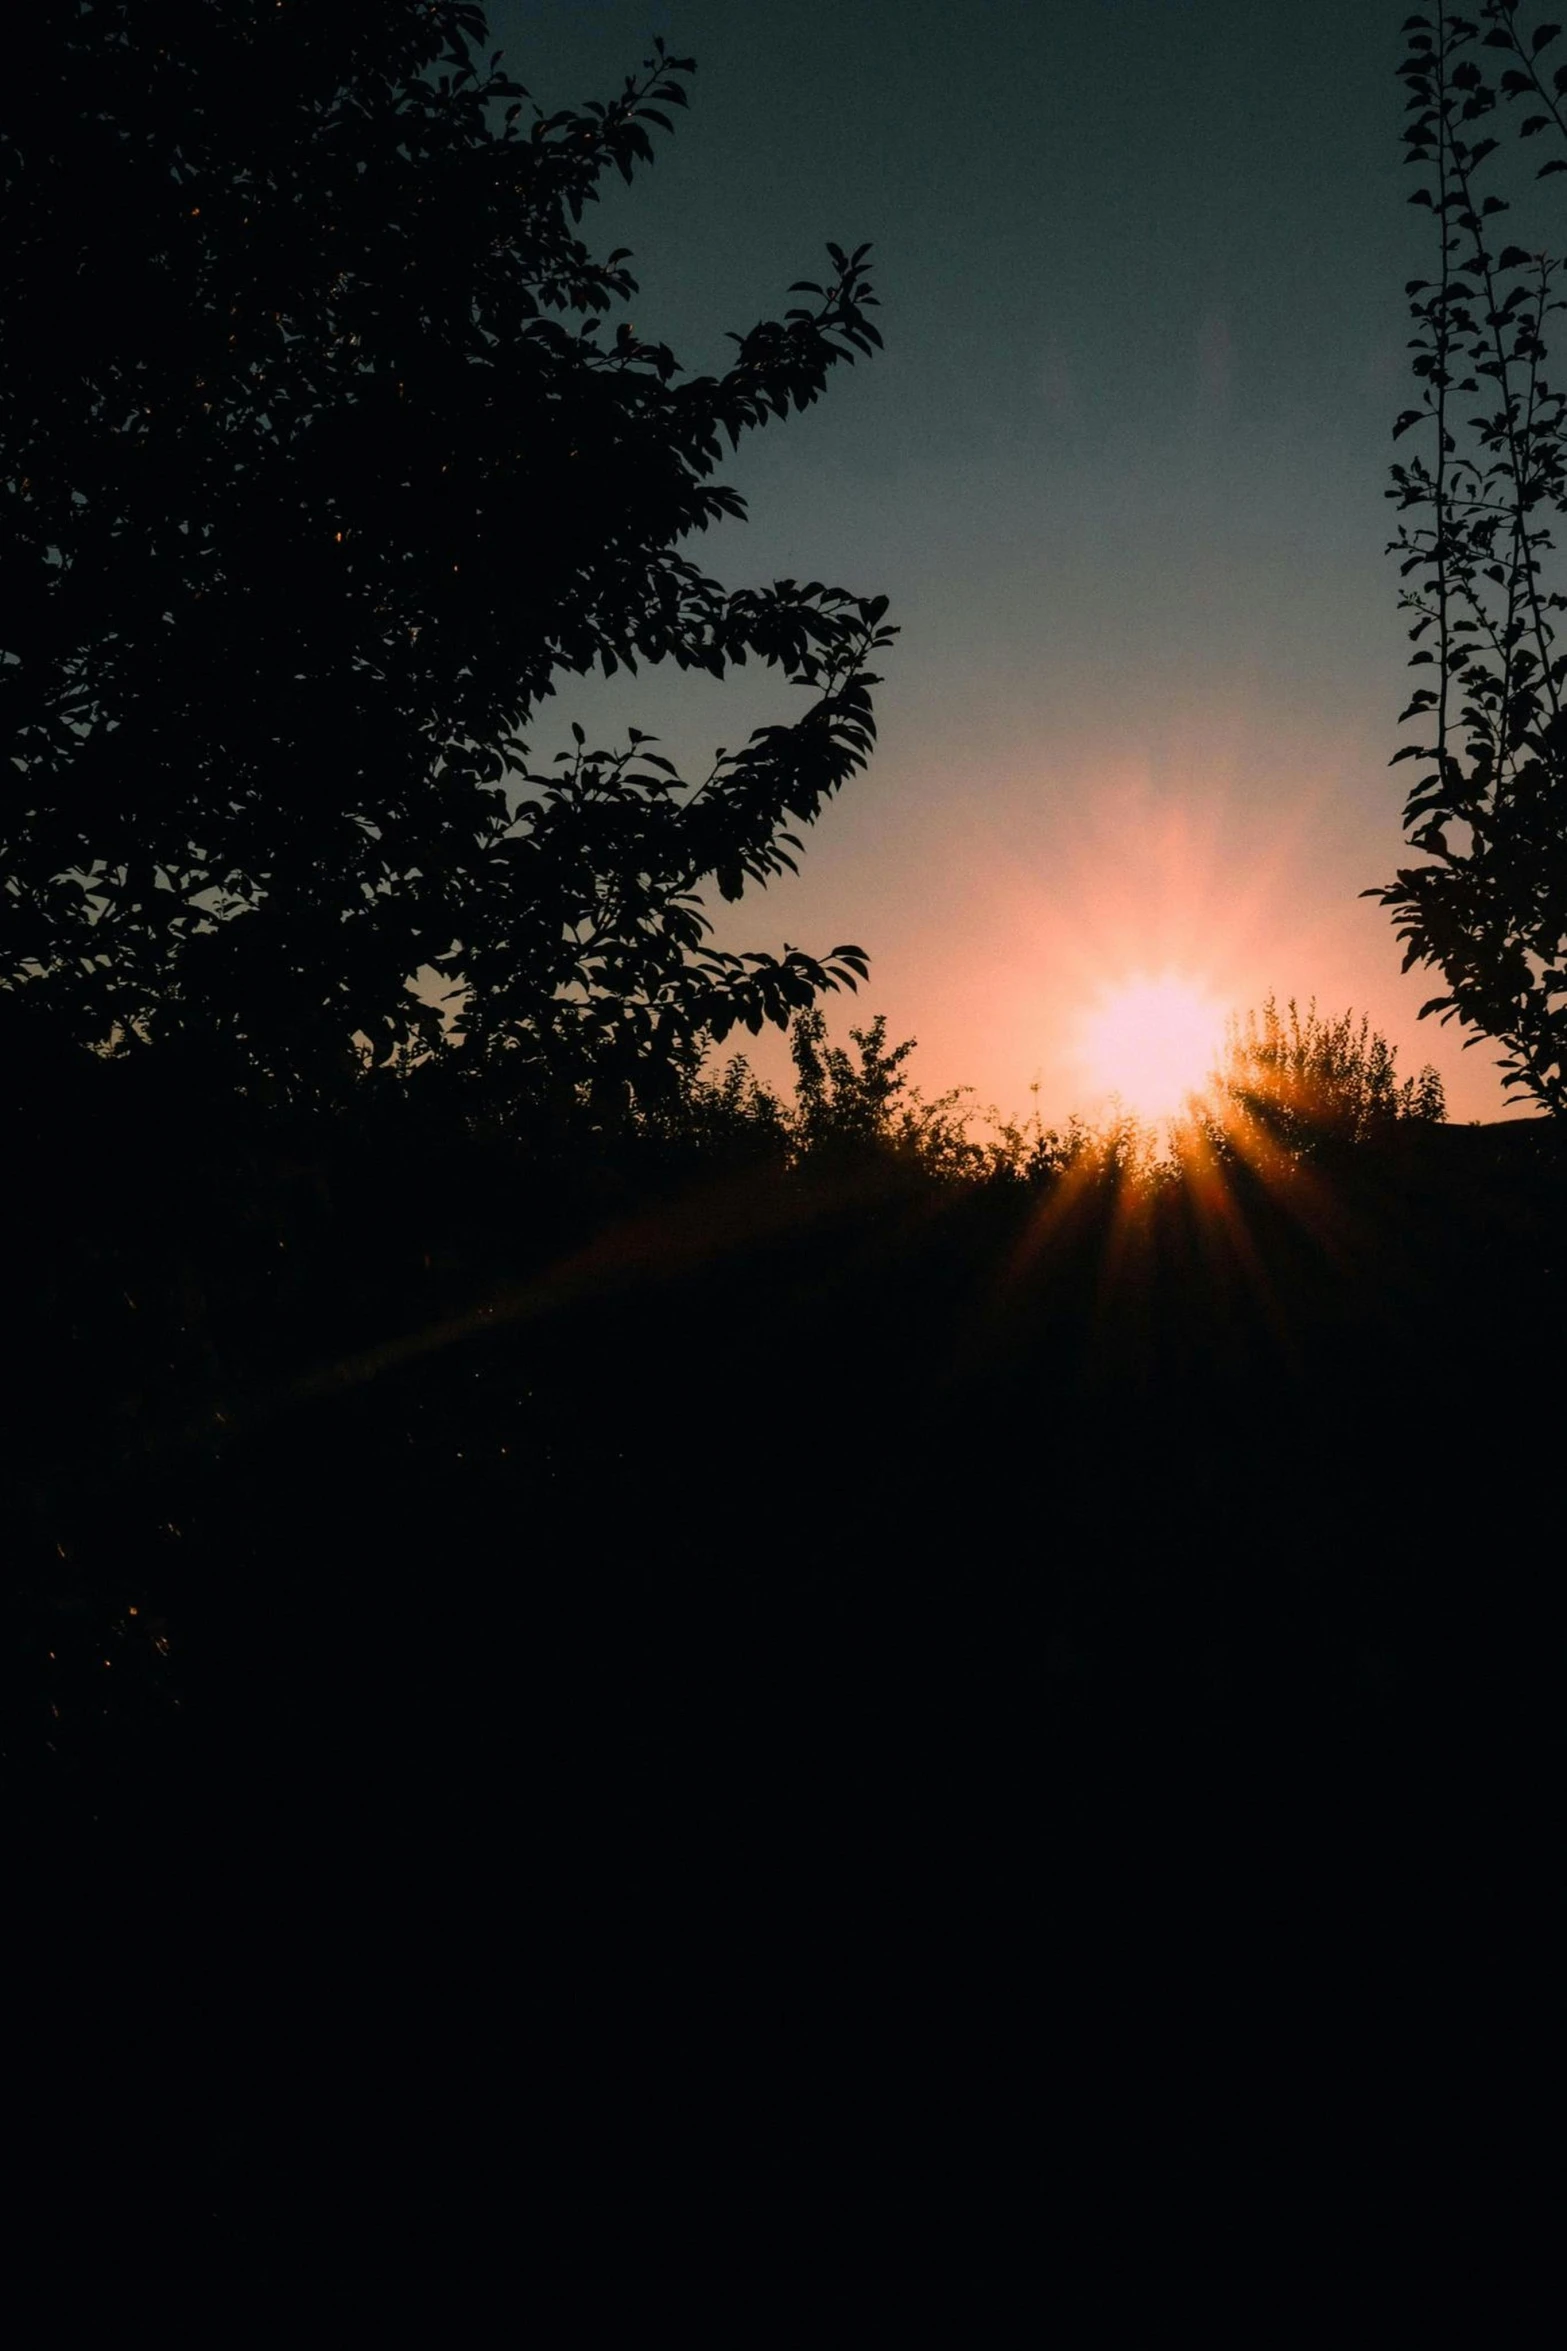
{"x": 1120, "y": 470}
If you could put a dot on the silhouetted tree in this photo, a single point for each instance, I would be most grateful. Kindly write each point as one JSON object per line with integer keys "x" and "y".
{"x": 1490, "y": 806}
{"x": 837, "y": 1103}
{"x": 1309, "y": 1079}
{"x": 319, "y": 467}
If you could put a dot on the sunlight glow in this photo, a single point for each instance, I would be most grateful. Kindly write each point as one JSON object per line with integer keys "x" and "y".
{"x": 1152, "y": 1042}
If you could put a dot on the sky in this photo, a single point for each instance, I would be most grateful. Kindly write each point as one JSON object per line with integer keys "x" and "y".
{"x": 1120, "y": 470}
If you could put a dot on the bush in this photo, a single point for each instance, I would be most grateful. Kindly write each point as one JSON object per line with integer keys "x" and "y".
{"x": 1307, "y": 1079}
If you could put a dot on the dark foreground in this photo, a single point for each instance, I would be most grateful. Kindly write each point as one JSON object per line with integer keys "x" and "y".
{"x": 813, "y": 1696}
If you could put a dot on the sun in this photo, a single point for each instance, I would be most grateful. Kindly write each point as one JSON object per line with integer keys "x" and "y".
{"x": 1152, "y": 1042}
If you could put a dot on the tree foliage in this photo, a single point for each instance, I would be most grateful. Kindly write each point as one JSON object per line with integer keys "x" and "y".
{"x": 1309, "y": 1079}
{"x": 321, "y": 465}
{"x": 1489, "y": 808}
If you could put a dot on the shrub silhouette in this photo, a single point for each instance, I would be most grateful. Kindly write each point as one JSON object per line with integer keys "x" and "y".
{"x": 855, "y": 1105}
{"x": 1309, "y": 1079}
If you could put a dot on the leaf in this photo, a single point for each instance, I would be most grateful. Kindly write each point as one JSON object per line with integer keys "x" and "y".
{"x": 592, "y": 862}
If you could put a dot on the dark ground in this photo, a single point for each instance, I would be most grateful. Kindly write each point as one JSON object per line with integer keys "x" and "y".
{"x": 823, "y": 1692}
